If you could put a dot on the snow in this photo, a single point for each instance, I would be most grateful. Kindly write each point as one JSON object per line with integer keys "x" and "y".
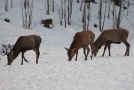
{"x": 54, "y": 71}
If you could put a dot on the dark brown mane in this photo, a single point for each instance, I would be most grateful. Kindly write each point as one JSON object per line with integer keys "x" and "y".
{"x": 15, "y": 50}
{"x": 98, "y": 43}
{"x": 76, "y": 40}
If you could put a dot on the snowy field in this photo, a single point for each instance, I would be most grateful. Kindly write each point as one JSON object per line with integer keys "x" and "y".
{"x": 54, "y": 71}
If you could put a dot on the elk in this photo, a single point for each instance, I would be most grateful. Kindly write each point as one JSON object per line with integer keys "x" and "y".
{"x": 23, "y": 44}
{"x": 107, "y": 37}
{"x": 81, "y": 40}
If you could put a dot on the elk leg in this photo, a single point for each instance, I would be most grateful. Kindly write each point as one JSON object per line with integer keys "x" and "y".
{"x": 76, "y": 56}
{"x": 37, "y": 54}
{"x": 22, "y": 58}
{"x": 25, "y": 59}
{"x": 88, "y": 50}
{"x": 84, "y": 50}
{"x": 109, "y": 47}
{"x": 91, "y": 51}
{"x": 104, "y": 49}
{"x": 127, "y": 48}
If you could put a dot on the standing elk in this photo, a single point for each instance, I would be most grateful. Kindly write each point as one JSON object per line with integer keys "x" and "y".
{"x": 107, "y": 37}
{"x": 23, "y": 44}
{"x": 81, "y": 40}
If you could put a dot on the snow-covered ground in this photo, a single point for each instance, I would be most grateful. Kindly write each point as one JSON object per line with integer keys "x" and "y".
{"x": 54, "y": 71}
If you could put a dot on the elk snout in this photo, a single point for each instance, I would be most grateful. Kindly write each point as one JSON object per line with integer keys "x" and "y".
{"x": 69, "y": 59}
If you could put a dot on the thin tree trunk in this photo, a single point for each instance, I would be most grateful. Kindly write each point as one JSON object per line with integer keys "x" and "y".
{"x": 6, "y": 5}
{"x": 119, "y": 16}
{"x": 109, "y": 10}
{"x": 104, "y": 17}
{"x": 11, "y": 3}
{"x": 48, "y": 7}
{"x": 53, "y": 5}
{"x": 100, "y": 15}
{"x": 88, "y": 15}
{"x": 84, "y": 17}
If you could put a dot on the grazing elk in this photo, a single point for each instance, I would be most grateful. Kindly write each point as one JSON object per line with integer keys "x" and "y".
{"x": 24, "y": 43}
{"x": 81, "y": 40}
{"x": 107, "y": 37}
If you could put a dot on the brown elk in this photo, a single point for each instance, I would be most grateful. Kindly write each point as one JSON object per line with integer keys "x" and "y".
{"x": 107, "y": 37}
{"x": 24, "y": 43}
{"x": 81, "y": 40}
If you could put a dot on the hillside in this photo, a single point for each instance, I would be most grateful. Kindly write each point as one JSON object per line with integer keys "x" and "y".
{"x": 54, "y": 71}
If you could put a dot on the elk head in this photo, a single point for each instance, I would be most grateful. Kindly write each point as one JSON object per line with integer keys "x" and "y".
{"x": 70, "y": 53}
{"x": 5, "y": 50}
{"x": 95, "y": 51}
{"x": 10, "y": 57}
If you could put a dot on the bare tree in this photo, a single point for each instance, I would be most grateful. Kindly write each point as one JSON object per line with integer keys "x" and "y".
{"x": 53, "y": 5}
{"x": 114, "y": 15}
{"x": 100, "y": 16}
{"x": 48, "y": 7}
{"x": 11, "y": 3}
{"x": 128, "y": 4}
{"x": 61, "y": 11}
{"x": 81, "y": 5}
{"x": 119, "y": 15}
{"x": 27, "y": 12}
{"x": 109, "y": 9}
{"x": 84, "y": 17}
{"x": 6, "y": 5}
{"x": 104, "y": 17}
{"x": 88, "y": 17}
{"x": 69, "y": 11}
{"x": 65, "y": 14}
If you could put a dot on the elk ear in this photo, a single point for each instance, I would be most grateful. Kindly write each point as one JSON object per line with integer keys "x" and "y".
{"x": 66, "y": 48}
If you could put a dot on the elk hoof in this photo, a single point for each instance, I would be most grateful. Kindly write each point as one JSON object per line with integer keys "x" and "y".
{"x": 85, "y": 59}
{"x": 91, "y": 57}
